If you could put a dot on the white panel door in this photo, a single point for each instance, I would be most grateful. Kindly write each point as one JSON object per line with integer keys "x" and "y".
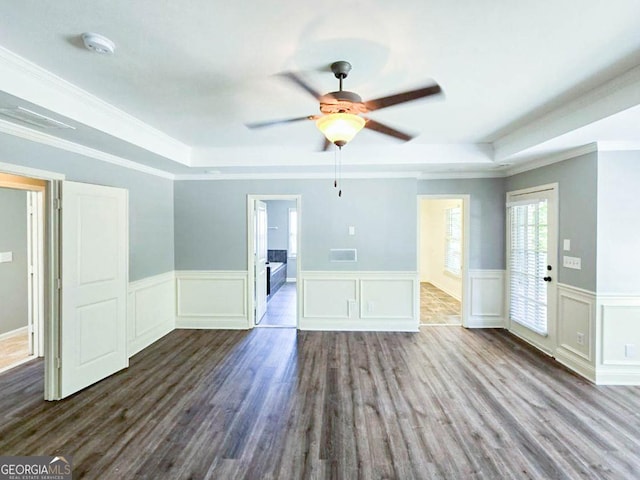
{"x": 260, "y": 263}
{"x": 94, "y": 284}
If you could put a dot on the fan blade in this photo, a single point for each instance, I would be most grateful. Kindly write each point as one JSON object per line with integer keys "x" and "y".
{"x": 385, "y": 129}
{"x": 408, "y": 96}
{"x": 270, "y": 123}
{"x": 326, "y": 144}
{"x": 297, "y": 79}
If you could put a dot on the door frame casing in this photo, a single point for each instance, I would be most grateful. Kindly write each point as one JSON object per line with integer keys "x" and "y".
{"x": 465, "y": 303}
{"x": 51, "y": 272}
{"x": 550, "y": 342}
{"x": 251, "y": 199}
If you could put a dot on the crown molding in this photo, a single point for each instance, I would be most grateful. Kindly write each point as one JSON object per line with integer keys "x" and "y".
{"x": 46, "y": 139}
{"x": 30, "y": 82}
{"x": 292, "y": 176}
{"x": 609, "y": 98}
{"x": 463, "y": 175}
{"x": 551, "y": 159}
{"x": 618, "y": 146}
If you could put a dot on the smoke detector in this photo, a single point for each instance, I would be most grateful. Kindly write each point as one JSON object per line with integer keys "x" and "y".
{"x": 98, "y": 43}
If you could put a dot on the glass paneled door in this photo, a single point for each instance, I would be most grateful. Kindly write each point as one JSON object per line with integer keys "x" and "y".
{"x": 531, "y": 263}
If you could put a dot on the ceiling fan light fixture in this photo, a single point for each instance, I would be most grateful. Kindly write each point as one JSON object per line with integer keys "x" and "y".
{"x": 340, "y": 128}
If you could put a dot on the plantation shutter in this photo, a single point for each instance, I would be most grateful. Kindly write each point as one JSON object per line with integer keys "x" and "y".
{"x": 528, "y": 263}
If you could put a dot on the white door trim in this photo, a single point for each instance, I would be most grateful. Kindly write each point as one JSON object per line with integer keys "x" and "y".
{"x": 549, "y": 343}
{"x": 51, "y": 272}
{"x": 465, "y": 304}
{"x": 251, "y": 198}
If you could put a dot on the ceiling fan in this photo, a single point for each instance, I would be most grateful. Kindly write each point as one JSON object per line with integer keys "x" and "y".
{"x": 342, "y": 111}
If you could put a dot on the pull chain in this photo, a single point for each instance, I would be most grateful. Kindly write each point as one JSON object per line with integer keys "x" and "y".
{"x": 335, "y": 167}
{"x": 340, "y": 172}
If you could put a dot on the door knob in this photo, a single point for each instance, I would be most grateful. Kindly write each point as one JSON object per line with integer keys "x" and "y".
{"x": 547, "y": 279}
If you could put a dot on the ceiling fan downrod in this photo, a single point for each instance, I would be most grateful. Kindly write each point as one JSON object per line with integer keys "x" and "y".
{"x": 341, "y": 70}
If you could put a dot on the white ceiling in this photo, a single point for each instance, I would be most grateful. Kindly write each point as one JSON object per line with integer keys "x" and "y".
{"x": 198, "y": 70}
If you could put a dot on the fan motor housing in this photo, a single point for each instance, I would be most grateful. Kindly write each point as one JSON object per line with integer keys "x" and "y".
{"x": 342, "y": 102}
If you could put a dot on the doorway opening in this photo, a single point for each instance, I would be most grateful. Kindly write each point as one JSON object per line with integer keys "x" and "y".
{"x": 274, "y": 259}
{"x": 21, "y": 270}
{"x": 443, "y": 225}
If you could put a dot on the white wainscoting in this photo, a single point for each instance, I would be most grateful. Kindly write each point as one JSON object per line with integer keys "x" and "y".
{"x": 362, "y": 301}
{"x": 151, "y": 310}
{"x": 576, "y": 330}
{"x": 617, "y": 325}
{"x": 212, "y": 299}
{"x": 486, "y": 299}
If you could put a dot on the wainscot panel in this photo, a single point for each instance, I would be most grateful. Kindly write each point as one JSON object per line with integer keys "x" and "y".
{"x": 576, "y": 330}
{"x": 362, "y": 301}
{"x": 151, "y": 310}
{"x": 618, "y": 345}
{"x": 487, "y": 299}
{"x": 212, "y": 299}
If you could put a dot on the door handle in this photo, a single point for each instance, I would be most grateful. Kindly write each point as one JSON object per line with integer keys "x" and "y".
{"x": 546, "y": 279}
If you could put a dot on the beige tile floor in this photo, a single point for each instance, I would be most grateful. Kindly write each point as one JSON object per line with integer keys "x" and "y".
{"x": 14, "y": 350}
{"x": 438, "y": 307}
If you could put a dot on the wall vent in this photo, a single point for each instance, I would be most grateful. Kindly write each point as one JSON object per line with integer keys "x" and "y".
{"x": 33, "y": 119}
{"x": 343, "y": 255}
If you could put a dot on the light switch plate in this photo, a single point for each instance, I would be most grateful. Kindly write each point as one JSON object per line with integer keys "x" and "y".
{"x": 566, "y": 245}
{"x": 572, "y": 262}
{"x": 6, "y": 257}
{"x": 352, "y": 230}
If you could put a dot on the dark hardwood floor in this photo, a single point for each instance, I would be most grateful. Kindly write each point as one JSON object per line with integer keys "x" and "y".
{"x": 276, "y": 403}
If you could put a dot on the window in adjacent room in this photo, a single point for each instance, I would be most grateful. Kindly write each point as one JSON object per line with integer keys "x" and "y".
{"x": 293, "y": 232}
{"x": 453, "y": 241}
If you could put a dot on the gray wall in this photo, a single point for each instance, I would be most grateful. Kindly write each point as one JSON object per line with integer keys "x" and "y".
{"x": 278, "y": 222}
{"x": 577, "y": 184}
{"x": 13, "y": 275}
{"x": 618, "y": 225}
{"x": 487, "y": 216}
{"x": 211, "y": 222}
{"x": 151, "y": 249}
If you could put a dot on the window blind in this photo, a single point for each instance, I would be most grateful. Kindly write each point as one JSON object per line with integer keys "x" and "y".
{"x": 528, "y": 263}
{"x": 453, "y": 240}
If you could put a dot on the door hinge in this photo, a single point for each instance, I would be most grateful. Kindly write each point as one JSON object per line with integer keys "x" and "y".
{"x": 59, "y": 283}
{"x": 58, "y": 204}
{"x": 58, "y": 363}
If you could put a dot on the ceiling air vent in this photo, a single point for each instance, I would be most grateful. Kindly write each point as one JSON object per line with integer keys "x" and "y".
{"x": 30, "y": 118}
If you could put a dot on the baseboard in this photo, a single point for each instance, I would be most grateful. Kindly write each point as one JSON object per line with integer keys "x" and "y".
{"x": 576, "y": 364}
{"x": 211, "y": 323}
{"x": 151, "y": 311}
{"x": 485, "y": 322}
{"x": 371, "y": 325}
{"x": 445, "y": 289}
{"x": 610, "y": 376}
{"x": 17, "y": 331}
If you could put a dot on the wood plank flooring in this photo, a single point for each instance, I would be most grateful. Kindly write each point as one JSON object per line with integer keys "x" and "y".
{"x": 275, "y": 403}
